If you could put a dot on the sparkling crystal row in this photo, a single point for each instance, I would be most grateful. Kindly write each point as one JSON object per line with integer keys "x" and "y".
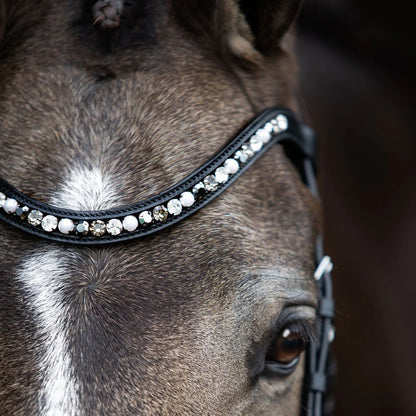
{"x": 160, "y": 213}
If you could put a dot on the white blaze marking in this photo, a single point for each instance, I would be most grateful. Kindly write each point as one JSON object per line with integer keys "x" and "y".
{"x": 44, "y": 277}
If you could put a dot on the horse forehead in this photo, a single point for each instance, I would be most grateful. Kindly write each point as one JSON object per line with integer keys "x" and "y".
{"x": 263, "y": 221}
{"x": 249, "y": 231}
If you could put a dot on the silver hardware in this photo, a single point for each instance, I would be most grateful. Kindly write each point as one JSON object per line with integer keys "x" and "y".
{"x": 325, "y": 266}
{"x": 331, "y": 334}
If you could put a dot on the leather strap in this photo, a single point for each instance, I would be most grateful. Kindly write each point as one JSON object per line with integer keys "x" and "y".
{"x": 315, "y": 383}
{"x": 293, "y": 137}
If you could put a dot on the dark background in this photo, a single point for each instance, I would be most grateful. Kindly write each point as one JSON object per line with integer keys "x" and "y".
{"x": 357, "y": 66}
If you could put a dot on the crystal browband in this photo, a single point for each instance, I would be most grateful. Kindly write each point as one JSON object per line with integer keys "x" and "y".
{"x": 273, "y": 126}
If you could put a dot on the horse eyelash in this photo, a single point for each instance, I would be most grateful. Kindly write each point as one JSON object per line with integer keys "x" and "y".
{"x": 307, "y": 330}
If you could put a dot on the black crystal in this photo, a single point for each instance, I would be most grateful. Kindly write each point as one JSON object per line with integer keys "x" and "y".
{"x": 199, "y": 190}
{"x": 22, "y": 212}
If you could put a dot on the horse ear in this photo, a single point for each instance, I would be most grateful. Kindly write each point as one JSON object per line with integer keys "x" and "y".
{"x": 269, "y": 20}
{"x": 246, "y": 29}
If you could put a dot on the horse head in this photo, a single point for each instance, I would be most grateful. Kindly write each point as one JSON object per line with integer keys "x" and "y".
{"x": 107, "y": 103}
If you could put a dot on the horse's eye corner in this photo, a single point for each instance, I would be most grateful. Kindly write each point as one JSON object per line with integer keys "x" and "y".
{"x": 286, "y": 349}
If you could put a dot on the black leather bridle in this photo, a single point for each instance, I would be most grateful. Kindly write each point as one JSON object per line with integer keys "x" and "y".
{"x": 273, "y": 126}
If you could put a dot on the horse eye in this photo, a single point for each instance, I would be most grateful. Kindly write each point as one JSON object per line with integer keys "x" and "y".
{"x": 287, "y": 347}
{"x": 283, "y": 355}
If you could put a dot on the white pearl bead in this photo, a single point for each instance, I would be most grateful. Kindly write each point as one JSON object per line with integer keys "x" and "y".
{"x": 263, "y": 135}
{"x": 130, "y": 223}
{"x": 231, "y": 166}
{"x": 66, "y": 226}
{"x": 10, "y": 205}
{"x": 187, "y": 199}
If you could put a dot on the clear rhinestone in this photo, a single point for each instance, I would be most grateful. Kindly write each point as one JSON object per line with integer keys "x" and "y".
{"x": 49, "y": 223}
{"x": 282, "y": 122}
{"x": 145, "y": 218}
{"x": 82, "y": 227}
{"x": 114, "y": 226}
{"x": 221, "y": 175}
{"x": 199, "y": 190}
{"x": 174, "y": 207}
{"x": 263, "y": 135}
{"x": 256, "y": 144}
{"x": 276, "y": 128}
{"x": 210, "y": 183}
{"x": 231, "y": 166}
{"x": 247, "y": 150}
{"x": 34, "y": 217}
{"x": 268, "y": 127}
{"x": 97, "y": 228}
{"x": 130, "y": 223}
{"x": 160, "y": 213}
{"x": 10, "y": 205}
{"x": 22, "y": 212}
{"x": 66, "y": 226}
{"x": 241, "y": 156}
{"x": 187, "y": 199}
{"x": 2, "y": 199}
